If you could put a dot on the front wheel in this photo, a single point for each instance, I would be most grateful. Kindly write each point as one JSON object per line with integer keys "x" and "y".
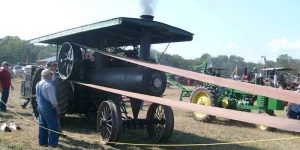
{"x": 162, "y": 122}
{"x": 109, "y": 122}
{"x": 203, "y": 96}
{"x": 264, "y": 127}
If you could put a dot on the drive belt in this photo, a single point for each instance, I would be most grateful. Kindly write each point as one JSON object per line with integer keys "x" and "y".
{"x": 276, "y": 93}
{"x": 271, "y": 121}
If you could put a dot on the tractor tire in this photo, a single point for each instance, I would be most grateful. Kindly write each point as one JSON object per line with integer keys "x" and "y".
{"x": 64, "y": 95}
{"x": 35, "y": 79}
{"x": 264, "y": 127}
{"x": 203, "y": 96}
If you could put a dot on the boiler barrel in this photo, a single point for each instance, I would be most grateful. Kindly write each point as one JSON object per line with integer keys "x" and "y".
{"x": 135, "y": 79}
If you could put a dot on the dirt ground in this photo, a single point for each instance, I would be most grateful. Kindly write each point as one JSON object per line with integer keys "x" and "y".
{"x": 81, "y": 132}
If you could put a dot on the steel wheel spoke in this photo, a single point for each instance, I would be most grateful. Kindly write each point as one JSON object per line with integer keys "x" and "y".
{"x": 70, "y": 52}
{"x": 109, "y": 125}
{"x": 67, "y": 60}
{"x": 66, "y": 54}
{"x": 109, "y": 132}
{"x": 109, "y": 116}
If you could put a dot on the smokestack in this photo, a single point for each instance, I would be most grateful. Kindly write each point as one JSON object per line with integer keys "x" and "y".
{"x": 147, "y": 17}
{"x": 145, "y": 44}
{"x": 147, "y": 14}
{"x": 146, "y": 40}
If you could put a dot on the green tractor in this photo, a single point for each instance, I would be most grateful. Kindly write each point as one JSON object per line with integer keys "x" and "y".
{"x": 214, "y": 95}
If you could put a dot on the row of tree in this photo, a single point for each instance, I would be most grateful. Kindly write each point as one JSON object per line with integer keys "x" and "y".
{"x": 15, "y": 50}
{"x": 229, "y": 63}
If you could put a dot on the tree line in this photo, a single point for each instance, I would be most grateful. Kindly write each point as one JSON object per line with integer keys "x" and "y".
{"x": 229, "y": 63}
{"x": 15, "y": 50}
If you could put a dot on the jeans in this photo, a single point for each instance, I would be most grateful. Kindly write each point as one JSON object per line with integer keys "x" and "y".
{"x": 48, "y": 119}
{"x": 4, "y": 98}
{"x": 293, "y": 115}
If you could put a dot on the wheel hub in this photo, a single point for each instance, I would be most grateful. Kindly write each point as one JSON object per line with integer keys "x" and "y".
{"x": 201, "y": 98}
{"x": 225, "y": 102}
{"x": 103, "y": 122}
{"x": 157, "y": 82}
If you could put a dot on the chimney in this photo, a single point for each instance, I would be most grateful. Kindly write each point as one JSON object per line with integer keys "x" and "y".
{"x": 146, "y": 40}
{"x": 147, "y": 17}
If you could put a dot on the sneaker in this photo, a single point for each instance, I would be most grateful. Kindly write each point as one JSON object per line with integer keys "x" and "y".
{"x": 61, "y": 134}
{"x": 23, "y": 106}
{"x": 53, "y": 146}
{"x": 43, "y": 145}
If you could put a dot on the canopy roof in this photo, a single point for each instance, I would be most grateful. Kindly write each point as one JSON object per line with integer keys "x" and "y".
{"x": 214, "y": 68}
{"x": 279, "y": 69}
{"x": 116, "y": 32}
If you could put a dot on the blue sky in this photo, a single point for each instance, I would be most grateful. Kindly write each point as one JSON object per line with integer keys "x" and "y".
{"x": 247, "y": 28}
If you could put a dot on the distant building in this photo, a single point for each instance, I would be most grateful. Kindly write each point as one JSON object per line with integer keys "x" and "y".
{"x": 44, "y": 61}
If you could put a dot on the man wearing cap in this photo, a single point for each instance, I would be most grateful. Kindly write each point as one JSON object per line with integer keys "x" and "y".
{"x": 5, "y": 85}
{"x": 47, "y": 105}
{"x": 51, "y": 65}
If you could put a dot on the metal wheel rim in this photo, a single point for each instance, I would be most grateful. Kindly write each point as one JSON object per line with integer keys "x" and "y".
{"x": 160, "y": 127}
{"x": 262, "y": 127}
{"x": 106, "y": 124}
{"x": 66, "y": 60}
{"x": 225, "y": 102}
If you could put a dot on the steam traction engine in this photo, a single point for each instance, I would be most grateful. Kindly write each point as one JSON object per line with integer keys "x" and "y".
{"x": 129, "y": 37}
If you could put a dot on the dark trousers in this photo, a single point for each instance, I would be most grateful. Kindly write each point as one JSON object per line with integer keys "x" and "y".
{"x": 293, "y": 115}
{"x": 4, "y": 98}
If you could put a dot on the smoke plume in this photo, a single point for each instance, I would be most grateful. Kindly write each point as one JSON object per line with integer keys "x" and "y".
{"x": 148, "y": 6}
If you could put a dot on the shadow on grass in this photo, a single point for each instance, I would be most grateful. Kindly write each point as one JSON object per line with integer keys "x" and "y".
{"x": 78, "y": 124}
{"x": 25, "y": 114}
{"x": 79, "y": 144}
{"x": 6, "y": 116}
{"x": 229, "y": 122}
{"x": 140, "y": 136}
{"x": 82, "y": 125}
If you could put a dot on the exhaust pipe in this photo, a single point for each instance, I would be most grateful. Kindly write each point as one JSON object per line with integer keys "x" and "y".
{"x": 146, "y": 40}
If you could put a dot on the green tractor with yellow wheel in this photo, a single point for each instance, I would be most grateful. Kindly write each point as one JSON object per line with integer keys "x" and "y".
{"x": 216, "y": 96}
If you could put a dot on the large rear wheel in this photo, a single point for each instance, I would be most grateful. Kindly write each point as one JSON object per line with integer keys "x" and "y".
{"x": 162, "y": 122}
{"x": 35, "y": 79}
{"x": 69, "y": 60}
{"x": 109, "y": 122}
{"x": 64, "y": 95}
{"x": 203, "y": 96}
